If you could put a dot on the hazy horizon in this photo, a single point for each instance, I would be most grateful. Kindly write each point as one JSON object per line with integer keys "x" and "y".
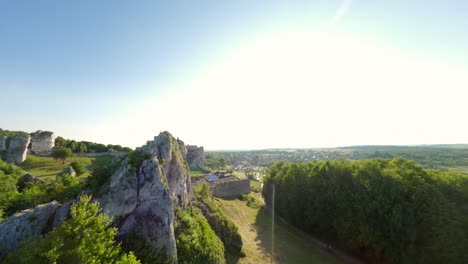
{"x": 237, "y": 76}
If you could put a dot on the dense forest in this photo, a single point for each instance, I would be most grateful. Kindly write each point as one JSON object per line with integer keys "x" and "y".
{"x": 384, "y": 211}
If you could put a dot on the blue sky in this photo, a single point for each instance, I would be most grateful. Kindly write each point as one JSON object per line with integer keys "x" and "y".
{"x": 121, "y": 71}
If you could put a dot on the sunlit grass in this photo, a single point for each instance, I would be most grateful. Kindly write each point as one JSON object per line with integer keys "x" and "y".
{"x": 47, "y": 167}
{"x": 255, "y": 228}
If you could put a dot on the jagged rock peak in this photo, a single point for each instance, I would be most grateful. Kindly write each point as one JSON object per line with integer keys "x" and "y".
{"x": 170, "y": 153}
{"x": 142, "y": 199}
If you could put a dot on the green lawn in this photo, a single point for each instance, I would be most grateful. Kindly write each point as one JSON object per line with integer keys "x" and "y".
{"x": 47, "y": 167}
{"x": 198, "y": 173}
{"x": 255, "y": 229}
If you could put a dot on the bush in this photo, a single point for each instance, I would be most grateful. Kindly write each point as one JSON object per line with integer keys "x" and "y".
{"x": 84, "y": 238}
{"x": 61, "y": 153}
{"x": 221, "y": 224}
{"x": 196, "y": 241}
{"x": 78, "y": 168}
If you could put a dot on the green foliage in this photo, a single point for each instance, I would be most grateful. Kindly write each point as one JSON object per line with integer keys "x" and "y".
{"x": 215, "y": 162}
{"x": 136, "y": 158}
{"x": 221, "y": 224}
{"x": 196, "y": 241}
{"x": 88, "y": 147}
{"x": 84, "y": 238}
{"x": 99, "y": 177}
{"x": 10, "y": 134}
{"x": 62, "y": 189}
{"x": 386, "y": 211}
{"x": 78, "y": 168}
{"x": 9, "y": 175}
{"x": 251, "y": 201}
{"x": 61, "y": 153}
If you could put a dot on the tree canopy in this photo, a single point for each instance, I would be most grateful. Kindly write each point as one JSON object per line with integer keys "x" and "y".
{"x": 386, "y": 211}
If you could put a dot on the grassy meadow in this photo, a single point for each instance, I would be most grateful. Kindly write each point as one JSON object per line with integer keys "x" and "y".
{"x": 47, "y": 167}
{"x": 255, "y": 228}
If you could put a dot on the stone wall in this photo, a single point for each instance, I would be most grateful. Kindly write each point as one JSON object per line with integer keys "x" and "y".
{"x": 42, "y": 142}
{"x": 230, "y": 188}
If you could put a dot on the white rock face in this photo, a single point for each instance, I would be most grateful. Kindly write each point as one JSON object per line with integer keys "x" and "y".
{"x": 142, "y": 200}
{"x": 169, "y": 153}
{"x": 17, "y": 149}
{"x": 42, "y": 142}
{"x": 195, "y": 157}
{"x": 3, "y": 143}
{"x": 30, "y": 223}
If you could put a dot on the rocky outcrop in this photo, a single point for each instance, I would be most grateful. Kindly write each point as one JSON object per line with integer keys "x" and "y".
{"x": 142, "y": 198}
{"x": 25, "y": 179}
{"x": 68, "y": 170}
{"x": 42, "y": 142}
{"x": 17, "y": 149}
{"x": 29, "y": 223}
{"x": 168, "y": 152}
{"x": 3, "y": 140}
{"x": 62, "y": 213}
{"x": 195, "y": 157}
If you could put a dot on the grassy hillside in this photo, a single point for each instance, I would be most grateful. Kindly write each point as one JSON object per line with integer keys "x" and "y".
{"x": 255, "y": 228}
{"x": 47, "y": 167}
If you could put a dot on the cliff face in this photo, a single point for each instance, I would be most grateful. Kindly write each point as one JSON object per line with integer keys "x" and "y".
{"x": 17, "y": 149}
{"x": 195, "y": 157}
{"x": 42, "y": 142}
{"x": 143, "y": 199}
{"x": 29, "y": 223}
{"x": 3, "y": 140}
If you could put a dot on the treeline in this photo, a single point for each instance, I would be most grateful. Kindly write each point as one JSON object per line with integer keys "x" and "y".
{"x": 9, "y": 133}
{"x": 432, "y": 156}
{"x": 384, "y": 211}
{"x": 88, "y": 147}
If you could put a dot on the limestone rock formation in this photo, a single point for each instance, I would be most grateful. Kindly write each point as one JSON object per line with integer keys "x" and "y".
{"x": 195, "y": 157}
{"x": 142, "y": 200}
{"x": 30, "y": 223}
{"x": 17, "y": 149}
{"x": 25, "y": 179}
{"x": 168, "y": 152}
{"x": 42, "y": 142}
{"x": 62, "y": 213}
{"x": 3, "y": 145}
{"x": 68, "y": 170}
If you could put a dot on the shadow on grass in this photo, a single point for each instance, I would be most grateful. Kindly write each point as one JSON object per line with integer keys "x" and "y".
{"x": 290, "y": 247}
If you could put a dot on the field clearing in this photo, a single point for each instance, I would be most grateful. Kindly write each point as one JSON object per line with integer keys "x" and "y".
{"x": 462, "y": 169}
{"x": 48, "y": 167}
{"x": 255, "y": 229}
{"x": 197, "y": 173}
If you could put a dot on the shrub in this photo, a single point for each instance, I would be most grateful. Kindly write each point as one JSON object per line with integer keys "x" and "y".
{"x": 84, "y": 238}
{"x": 196, "y": 241}
{"x": 78, "y": 168}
